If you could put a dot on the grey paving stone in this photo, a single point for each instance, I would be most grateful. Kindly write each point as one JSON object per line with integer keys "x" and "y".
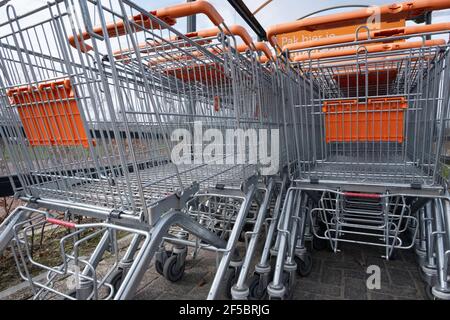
{"x": 171, "y": 296}
{"x": 355, "y": 289}
{"x": 372, "y": 251}
{"x": 374, "y": 295}
{"x": 318, "y": 288}
{"x": 331, "y": 276}
{"x": 400, "y": 263}
{"x": 409, "y": 256}
{"x": 314, "y": 276}
{"x": 339, "y": 275}
{"x": 397, "y": 291}
{"x": 375, "y": 260}
{"x": 149, "y": 276}
{"x": 201, "y": 289}
{"x": 327, "y": 255}
{"x": 355, "y": 274}
{"x": 322, "y": 297}
{"x": 149, "y": 293}
{"x": 351, "y": 264}
{"x": 351, "y": 252}
{"x": 400, "y": 277}
{"x": 316, "y": 265}
{"x": 189, "y": 280}
{"x": 304, "y": 295}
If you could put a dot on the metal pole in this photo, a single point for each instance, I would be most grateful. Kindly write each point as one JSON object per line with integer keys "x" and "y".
{"x": 191, "y": 21}
{"x": 428, "y": 20}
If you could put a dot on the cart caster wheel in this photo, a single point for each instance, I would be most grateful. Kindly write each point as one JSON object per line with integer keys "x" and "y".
{"x": 231, "y": 278}
{"x": 161, "y": 258}
{"x": 256, "y": 292}
{"x": 171, "y": 270}
{"x": 159, "y": 266}
{"x": 429, "y": 293}
{"x": 116, "y": 279}
{"x": 245, "y": 229}
{"x": 288, "y": 285}
{"x": 304, "y": 265}
{"x": 72, "y": 293}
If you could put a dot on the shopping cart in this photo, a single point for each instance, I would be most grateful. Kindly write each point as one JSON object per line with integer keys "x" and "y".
{"x": 224, "y": 202}
{"x": 90, "y": 135}
{"x": 371, "y": 108}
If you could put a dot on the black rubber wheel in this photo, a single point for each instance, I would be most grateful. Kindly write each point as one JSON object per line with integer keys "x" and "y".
{"x": 256, "y": 293}
{"x": 429, "y": 292}
{"x": 159, "y": 267}
{"x": 304, "y": 265}
{"x": 72, "y": 293}
{"x": 159, "y": 262}
{"x": 170, "y": 271}
{"x": 231, "y": 278}
{"x": 116, "y": 279}
{"x": 286, "y": 281}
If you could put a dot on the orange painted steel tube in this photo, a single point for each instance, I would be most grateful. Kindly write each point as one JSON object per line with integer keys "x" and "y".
{"x": 168, "y": 15}
{"x": 117, "y": 29}
{"x": 260, "y": 47}
{"x": 370, "y": 49}
{"x": 189, "y": 9}
{"x": 392, "y": 12}
{"x": 235, "y": 30}
{"x": 385, "y": 33}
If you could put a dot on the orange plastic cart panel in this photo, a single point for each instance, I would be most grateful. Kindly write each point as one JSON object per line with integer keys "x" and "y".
{"x": 381, "y": 119}
{"x": 208, "y": 74}
{"x": 49, "y": 114}
{"x": 377, "y": 82}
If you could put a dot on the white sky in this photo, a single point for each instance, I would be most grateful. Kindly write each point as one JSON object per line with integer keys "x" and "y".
{"x": 276, "y": 12}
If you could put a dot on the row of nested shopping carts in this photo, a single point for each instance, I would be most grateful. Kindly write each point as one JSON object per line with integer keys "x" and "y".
{"x": 93, "y": 92}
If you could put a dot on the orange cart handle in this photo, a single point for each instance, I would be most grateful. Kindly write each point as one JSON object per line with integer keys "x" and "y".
{"x": 117, "y": 29}
{"x": 370, "y": 49}
{"x": 62, "y": 223}
{"x": 190, "y": 9}
{"x": 363, "y": 195}
{"x": 396, "y": 11}
{"x": 235, "y": 30}
{"x": 260, "y": 47}
{"x": 168, "y": 15}
{"x": 385, "y": 33}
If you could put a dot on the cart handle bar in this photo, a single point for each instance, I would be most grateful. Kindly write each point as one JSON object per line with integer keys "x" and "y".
{"x": 260, "y": 47}
{"x": 370, "y": 49}
{"x": 384, "y": 33}
{"x": 168, "y": 15}
{"x": 235, "y": 30}
{"x": 392, "y": 12}
{"x": 62, "y": 223}
{"x": 362, "y": 195}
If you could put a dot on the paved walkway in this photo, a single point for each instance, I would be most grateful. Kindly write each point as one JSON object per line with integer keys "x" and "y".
{"x": 334, "y": 276}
